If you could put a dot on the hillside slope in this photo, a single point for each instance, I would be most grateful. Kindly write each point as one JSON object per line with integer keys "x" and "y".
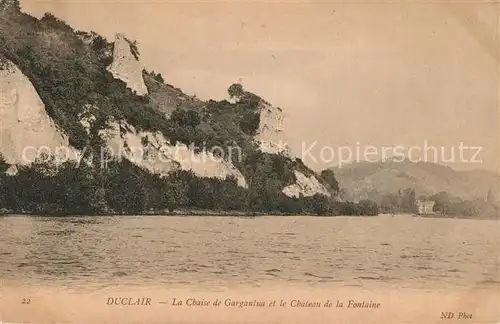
{"x": 372, "y": 180}
{"x": 144, "y": 144}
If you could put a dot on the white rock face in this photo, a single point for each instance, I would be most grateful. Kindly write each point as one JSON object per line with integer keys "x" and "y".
{"x": 153, "y": 152}
{"x": 271, "y": 133}
{"x": 307, "y": 186}
{"x": 127, "y": 67}
{"x": 26, "y": 130}
{"x": 12, "y": 171}
{"x": 87, "y": 117}
{"x": 272, "y": 139}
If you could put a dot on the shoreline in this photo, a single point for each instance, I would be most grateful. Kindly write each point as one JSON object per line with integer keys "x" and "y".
{"x": 180, "y": 212}
{"x": 215, "y": 213}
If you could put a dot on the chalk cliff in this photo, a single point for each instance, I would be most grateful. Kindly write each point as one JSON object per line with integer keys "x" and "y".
{"x": 153, "y": 152}
{"x": 70, "y": 89}
{"x": 271, "y": 134}
{"x": 25, "y": 127}
{"x": 272, "y": 139}
{"x": 306, "y": 186}
{"x": 127, "y": 66}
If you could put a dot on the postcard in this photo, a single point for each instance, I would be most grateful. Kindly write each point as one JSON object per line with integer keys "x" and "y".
{"x": 249, "y": 162}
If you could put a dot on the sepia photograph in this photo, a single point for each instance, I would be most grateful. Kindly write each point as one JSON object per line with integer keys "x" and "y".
{"x": 249, "y": 161}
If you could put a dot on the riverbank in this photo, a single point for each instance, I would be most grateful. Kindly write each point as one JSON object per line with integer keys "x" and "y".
{"x": 180, "y": 212}
{"x": 440, "y": 216}
{"x": 232, "y": 213}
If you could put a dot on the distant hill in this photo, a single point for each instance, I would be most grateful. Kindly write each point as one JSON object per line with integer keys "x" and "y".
{"x": 372, "y": 180}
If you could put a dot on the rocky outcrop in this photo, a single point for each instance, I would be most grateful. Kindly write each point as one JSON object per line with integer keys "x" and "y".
{"x": 305, "y": 186}
{"x": 141, "y": 148}
{"x": 154, "y": 153}
{"x": 271, "y": 134}
{"x": 87, "y": 117}
{"x": 12, "y": 170}
{"x": 127, "y": 66}
{"x": 26, "y": 131}
{"x": 272, "y": 139}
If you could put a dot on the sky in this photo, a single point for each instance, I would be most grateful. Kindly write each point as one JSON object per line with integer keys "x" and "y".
{"x": 347, "y": 73}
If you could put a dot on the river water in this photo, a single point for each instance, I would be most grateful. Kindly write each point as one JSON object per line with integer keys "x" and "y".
{"x": 102, "y": 252}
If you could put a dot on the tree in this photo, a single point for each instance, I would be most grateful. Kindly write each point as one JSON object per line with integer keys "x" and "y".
{"x": 3, "y": 185}
{"x": 99, "y": 44}
{"x": 51, "y": 20}
{"x": 389, "y": 203}
{"x": 250, "y": 123}
{"x": 3, "y": 165}
{"x": 236, "y": 91}
{"x": 329, "y": 176}
{"x": 320, "y": 204}
{"x": 134, "y": 49}
{"x": 409, "y": 203}
{"x": 368, "y": 208}
{"x": 159, "y": 78}
{"x": 184, "y": 118}
{"x": 80, "y": 191}
{"x": 175, "y": 194}
{"x": 490, "y": 199}
{"x": 125, "y": 192}
{"x": 443, "y": 202}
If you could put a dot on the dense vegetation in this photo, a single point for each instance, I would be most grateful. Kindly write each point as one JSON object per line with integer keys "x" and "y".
{"x": 68, "y": 70}
{"x": 449, "y": 205}
{"x": 404, "y": 201}
{"x": 365, "y": 180}
{"x": 124, "y": 188}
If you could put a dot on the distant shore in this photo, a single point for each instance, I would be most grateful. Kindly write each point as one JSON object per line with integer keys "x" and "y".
{"x": 179, "y": 212}
{"x": 438, "y": 216}
{"x": 221, "y": 213}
